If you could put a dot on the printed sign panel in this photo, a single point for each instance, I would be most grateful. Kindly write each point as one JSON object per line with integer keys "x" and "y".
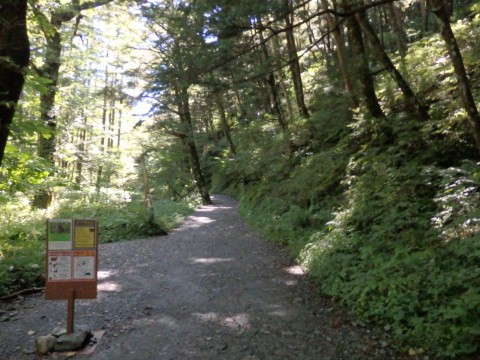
{"x": 84, "y": 265}
{"x": 59, "y": 234}
{"x": 84, "y": 234}
{"x": 59, "y": 266}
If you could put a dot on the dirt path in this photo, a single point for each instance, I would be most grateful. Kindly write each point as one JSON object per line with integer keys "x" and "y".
{"x": 213, "y": 289}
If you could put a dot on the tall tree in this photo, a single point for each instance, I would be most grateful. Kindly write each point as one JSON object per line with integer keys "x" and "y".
{"x": 272, "y": 82}
{"x": 293, "y": 61}
{"x": 14, "y": 58}
{"x": 51, "y": 26}
{"x": 180, "y": 63}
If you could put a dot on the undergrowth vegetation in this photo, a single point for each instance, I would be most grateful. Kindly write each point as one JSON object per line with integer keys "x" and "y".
{"x": 388, "y": 223}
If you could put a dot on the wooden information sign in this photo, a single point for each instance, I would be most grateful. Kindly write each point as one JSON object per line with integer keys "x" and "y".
{"x": 72, "y": 258}
{"x": 71, "y": 262}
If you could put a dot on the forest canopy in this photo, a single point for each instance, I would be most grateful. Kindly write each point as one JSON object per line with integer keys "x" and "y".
{"x": 348, "y": 129}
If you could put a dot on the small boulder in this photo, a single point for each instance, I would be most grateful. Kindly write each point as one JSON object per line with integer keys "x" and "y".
{"x": 45, "y": 344}
{"x": 71, "y": 342}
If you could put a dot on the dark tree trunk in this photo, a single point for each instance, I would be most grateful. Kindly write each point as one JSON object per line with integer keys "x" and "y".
{"x": 224, "y": 122}
{"x": 378, "y": 50}
{"x": 294, "y": 63}
{"x": 363, "y": 71}
{"x": 82, "y": 138}
{"x": 401, "y": 37}
{"x": 14, "y": 57}
{"x": 276, "y": 45}
{"x": 189, "y": 141}
{"x": 424, "y": 12}
{"x": 272, "y": 83}
{"x": 443, "y": 12}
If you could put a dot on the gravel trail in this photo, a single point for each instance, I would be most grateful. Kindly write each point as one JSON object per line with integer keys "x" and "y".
{"x": 212, "y": 289}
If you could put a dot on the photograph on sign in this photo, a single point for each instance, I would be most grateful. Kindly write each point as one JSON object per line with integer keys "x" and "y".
{"x": 84, "y": 234}
{"x": 59, "y": 266}
{"x": 84, "y": 265}
{"x": 59, "y": 234}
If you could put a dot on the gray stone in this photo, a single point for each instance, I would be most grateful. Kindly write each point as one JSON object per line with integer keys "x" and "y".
{"x": 4, "y": 318}
{"x": 59, "y": 331}
{"x": 45, "y": 344}
{"x": 71, "y": 342}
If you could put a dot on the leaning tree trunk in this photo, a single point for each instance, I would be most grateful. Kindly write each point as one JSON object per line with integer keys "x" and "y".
{"x": 441, "y": 10}
{"x": 378, "y": 50}
{"x": 14, "y": 57}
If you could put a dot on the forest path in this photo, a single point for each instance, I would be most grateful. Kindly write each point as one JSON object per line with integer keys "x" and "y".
{"x": 212, "y": 289}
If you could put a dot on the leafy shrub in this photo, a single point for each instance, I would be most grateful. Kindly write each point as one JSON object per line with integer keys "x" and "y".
{"x": 22, "y": 244}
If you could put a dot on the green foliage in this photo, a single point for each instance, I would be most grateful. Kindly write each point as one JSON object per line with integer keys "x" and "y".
{"x": 22, "y": 243}
{"x": 384, "y": 259}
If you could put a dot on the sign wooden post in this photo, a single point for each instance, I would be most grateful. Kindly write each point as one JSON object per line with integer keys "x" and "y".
{"x": 71, "y": 262}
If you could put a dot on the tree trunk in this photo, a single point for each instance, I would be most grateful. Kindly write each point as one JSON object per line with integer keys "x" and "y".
{"x": 224, "y": 122}
{"x": 276, "y": 54}
{"x": 272, "y": 84}
{"x": 14, "y": 57}
{"x": 378, "y": 50}
{"x": 50, "y": 70}
{"x": 294, "y": 63}
{"x": 189, "y": 140}
{"x": 443, "y": 13}
{"x": 366, "y": 83}
{"x": 147, "y": 200}
{"x": 340, "y": 50}
{"x": 401, "y": 37}
{"x": 424, "y": 12}
{"x": 81, "y": 151}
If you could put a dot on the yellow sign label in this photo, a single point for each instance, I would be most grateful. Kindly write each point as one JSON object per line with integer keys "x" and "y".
{"x": 84, "y": 236}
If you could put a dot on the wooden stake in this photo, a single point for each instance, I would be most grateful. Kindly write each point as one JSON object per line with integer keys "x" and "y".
{"x": 70, "y": 311}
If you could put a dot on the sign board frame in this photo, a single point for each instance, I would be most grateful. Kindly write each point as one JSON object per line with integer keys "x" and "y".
{"x": 71, "y": 254}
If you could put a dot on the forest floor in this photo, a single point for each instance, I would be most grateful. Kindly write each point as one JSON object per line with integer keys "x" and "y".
{"x": 212, "y": 289}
